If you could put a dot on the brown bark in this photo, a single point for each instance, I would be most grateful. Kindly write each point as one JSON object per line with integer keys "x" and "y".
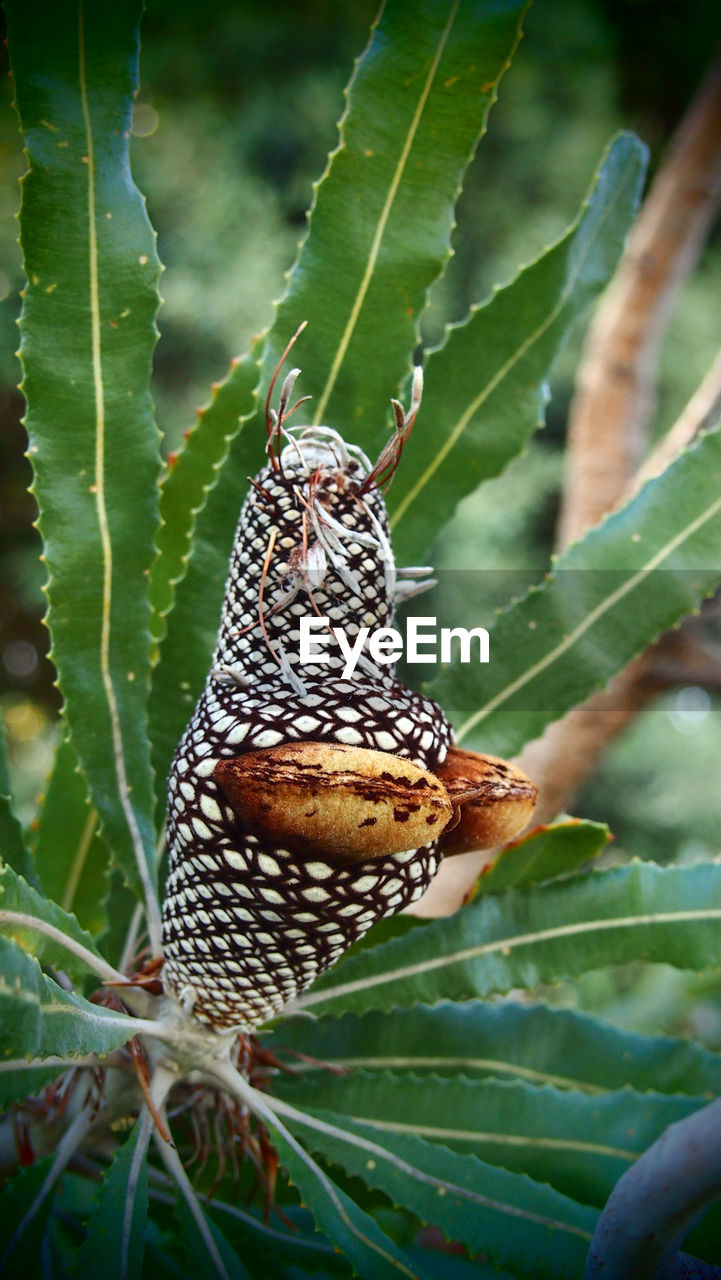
{"x": 616, "y": 376}
{"x": 607, "y": 428}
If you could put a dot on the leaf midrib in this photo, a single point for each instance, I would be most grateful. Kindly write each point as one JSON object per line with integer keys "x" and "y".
{"x": 383, "y": 221}
{"x": 453, "y": 437}
{"x": 504, "y": 945}
{"x": 609, "y": 602}
{"x": 101, "y": 506}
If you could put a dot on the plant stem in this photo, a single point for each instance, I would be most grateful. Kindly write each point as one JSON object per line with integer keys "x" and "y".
{"x": 655, "y": 1203}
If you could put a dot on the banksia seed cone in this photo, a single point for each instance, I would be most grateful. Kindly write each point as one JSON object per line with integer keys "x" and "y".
{"x": 260, "y": 901}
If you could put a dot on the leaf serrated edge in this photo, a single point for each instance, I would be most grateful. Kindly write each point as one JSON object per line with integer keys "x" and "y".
{"x": 452, "y": 437}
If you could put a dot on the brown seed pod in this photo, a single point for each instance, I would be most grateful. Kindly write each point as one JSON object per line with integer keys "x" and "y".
{"x": 494, "y": 799}
{"x": 347, "y": 803}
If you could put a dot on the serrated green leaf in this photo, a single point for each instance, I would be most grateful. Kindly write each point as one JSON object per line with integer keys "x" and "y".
{"x": 507, "y": 1216}
{"x": 71, "y": 858}
{"x": 114, "y": 1243}
{"x": 21, "y": 906}
{"x": 610, "y": 595}
{"x": 484, "y": 388}
{"x": 354, "y": 1232}
{"x": 544, "y": 854}
{"x": 189, "y": 479}
{"x": 40, "y": 1020}
{"x": 88, "y": 332}
{"x": 121, "y": 907}
{"x": 383, "y": 212}
{"x": 580, "y": 1143}
{"x": 516, "y": 939}
{"x": 531, "y": 1042}
{"x": 13, "y": 849}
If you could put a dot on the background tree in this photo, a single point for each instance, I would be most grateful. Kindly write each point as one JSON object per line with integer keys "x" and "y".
{"x": 527, "y": 1077}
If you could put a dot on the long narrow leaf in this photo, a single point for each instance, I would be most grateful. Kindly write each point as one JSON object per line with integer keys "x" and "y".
{"x": 485, "y": 388}
{"x": 515, "y": 1221}
{"x": 205, "y": 1244}
{"x": 608, "y": 597}
{"x": 383, "y": 213}
{"x": 88, "y": 332}
{"x": 638, "y": 912}
{"x": 544, "y": 854}
{"x": 41, "y": 1020}
{"x": 23, "y": 912}
{"x": 190, "y": 477}
{"x": 114, "y": 1243}
{"x": 72, "y": 859}
{"x": 581, "y": 1143}
{"x": 509, "y": 1040}
{"x": 354, "y": 1232}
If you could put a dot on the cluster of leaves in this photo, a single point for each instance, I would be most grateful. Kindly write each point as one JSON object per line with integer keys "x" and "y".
{"x": 504, "y": 1125}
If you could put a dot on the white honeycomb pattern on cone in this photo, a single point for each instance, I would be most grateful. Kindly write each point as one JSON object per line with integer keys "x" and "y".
{"x": 248, "y": 925}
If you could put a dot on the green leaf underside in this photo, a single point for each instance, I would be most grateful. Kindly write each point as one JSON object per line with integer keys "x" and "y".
{"x": 357, "y": 1236}
{"x": 40, "y": 1020}
{"x": 638, "y": 912}
{"x": 13, "y": 849}
{"x": 544, "y": 854}
{"x": 189, "y": 479}
{"x": 71, "y": 858}
{"x": 18, "y": 898}
{"x": 580, "y": 1143}
{"x": 609, "y": 595}
{"x": 88, "y": 332}
{"x": 508, "y": 1040}
{"x": 513, "y": 1220}
{"x": 360, "y": 288}
{"x": 383, "y": 212}
{"x": 485, "y": 387}
{"x": 114, "y": 1244}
